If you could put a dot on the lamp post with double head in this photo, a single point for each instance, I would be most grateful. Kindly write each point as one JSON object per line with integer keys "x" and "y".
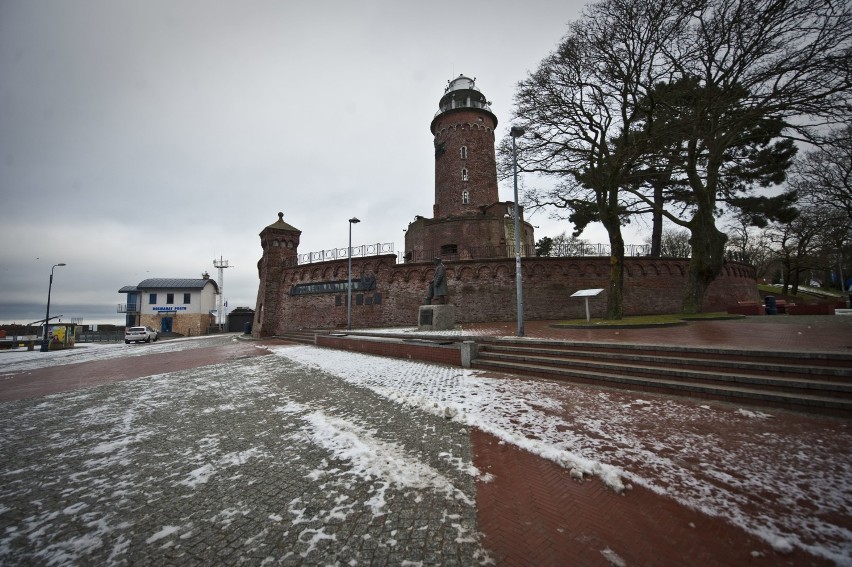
{"x": 352, "y": 221}
{"x": 516, "y": 132}
{"x": 45, "y": 343}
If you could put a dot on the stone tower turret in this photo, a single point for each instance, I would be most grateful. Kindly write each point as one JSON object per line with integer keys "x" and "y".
{"x": 280, "y": 243}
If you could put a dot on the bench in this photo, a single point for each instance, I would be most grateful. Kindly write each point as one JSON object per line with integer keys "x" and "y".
{"x": 782, "y": 305}
{"x": 747, "y": 308}
{"x": 10, "y": 344}
{"x": 814, "y": 309}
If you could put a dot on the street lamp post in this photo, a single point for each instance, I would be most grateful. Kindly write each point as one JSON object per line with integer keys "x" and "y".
{"x": 515, "y": 132}
{"x": 45, "y": 343}
{"x": 352, "y": 221}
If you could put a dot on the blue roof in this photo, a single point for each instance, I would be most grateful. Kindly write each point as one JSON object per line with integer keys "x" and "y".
{"x": 170, "y": 283}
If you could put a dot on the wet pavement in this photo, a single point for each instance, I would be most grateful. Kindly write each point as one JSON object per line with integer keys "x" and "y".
{"x": 223, "y": 456}
{"x": 252, "y": 461}
{"x": 769, "y": 333}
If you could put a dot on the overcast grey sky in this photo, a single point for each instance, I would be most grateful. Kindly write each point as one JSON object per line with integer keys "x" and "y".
{"x": 145, "y": 139}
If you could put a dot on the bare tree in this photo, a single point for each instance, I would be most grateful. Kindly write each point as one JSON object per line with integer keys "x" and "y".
{"x": 564, "y": 245}
{"x": 763, "y": 68}
{"x": 808, "y": 242}
{"x": 751, "y": 245}
{"x": 580, "y": 107}
{"x": 673, "y": 244}
{"x": 823, "y": 177}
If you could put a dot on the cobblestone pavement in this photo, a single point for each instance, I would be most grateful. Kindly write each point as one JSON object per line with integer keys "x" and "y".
{"x": 317, "y": 457}
{"x": 255, "y": 461}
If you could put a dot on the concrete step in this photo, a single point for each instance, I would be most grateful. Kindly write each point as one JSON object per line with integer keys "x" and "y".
{"x": 306, "y": 336}
{"x": 777, "y": 358}
{"x": 739, "y": 363}
{"x": 815, "y": 382}
{"x": 728, "y": 391}
{"x": 812, "y": 384}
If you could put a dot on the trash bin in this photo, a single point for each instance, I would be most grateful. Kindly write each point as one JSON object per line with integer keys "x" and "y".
{"x": 771, "y": 305}
{"x": 247, "y": 328}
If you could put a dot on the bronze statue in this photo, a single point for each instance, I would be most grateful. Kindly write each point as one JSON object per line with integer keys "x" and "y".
{"x": 438, "y": 285}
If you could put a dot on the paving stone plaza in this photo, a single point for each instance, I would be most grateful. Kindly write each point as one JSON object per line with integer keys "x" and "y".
{"x": 218, "y": 470}
{"x": 222, "y": 451}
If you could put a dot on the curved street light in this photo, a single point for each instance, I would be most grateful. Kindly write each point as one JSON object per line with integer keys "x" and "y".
{"x": 45, "y": 343}
{"x": 353, "y": 220}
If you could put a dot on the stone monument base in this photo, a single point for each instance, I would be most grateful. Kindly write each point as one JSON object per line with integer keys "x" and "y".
{"x": 436, "y": 317}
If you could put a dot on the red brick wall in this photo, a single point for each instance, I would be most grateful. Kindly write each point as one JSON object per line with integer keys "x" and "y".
{"x": 425, "y": 237}
{"x": 485, "y": 290}
{"x": 473, "y": 129}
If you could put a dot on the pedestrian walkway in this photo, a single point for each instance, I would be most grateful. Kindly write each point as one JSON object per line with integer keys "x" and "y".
{"x": 769, "y": 333}
{"x": 314, "y": 457}
{"x": 255, "y": 461}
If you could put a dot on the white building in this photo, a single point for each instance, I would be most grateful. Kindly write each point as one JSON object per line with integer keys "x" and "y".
{"x": 172, "y": 305}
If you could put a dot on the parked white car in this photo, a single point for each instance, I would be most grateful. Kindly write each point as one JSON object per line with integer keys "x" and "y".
{"x": 140, "y": 334}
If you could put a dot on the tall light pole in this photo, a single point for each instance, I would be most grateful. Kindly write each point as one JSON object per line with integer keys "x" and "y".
{"x": 45, "y": 343}
{"x": 352, "y": 221}
{"x": 515, "y": 132}
{"x": 220, "y": 312}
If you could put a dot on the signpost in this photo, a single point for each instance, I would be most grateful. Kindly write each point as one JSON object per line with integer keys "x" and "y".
{"x": 586, "y": 294}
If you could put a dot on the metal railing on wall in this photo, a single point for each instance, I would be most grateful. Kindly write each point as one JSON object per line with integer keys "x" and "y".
{"x": 566, "y": 250}
{"x": 330, "y": 254}
{"x": 559, "y": 250}
{"x": 508, "y": 251}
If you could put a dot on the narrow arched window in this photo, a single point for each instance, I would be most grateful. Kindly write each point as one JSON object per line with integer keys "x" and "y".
{"x": 465, "y": 198}
{"x": 464, "y": 174}
{"x": 463, "y": 152}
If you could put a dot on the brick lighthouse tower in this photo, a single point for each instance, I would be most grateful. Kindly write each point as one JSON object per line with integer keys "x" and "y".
{"x": 469, "y": 220}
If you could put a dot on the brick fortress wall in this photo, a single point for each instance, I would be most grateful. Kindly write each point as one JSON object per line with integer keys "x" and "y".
{"x": 484, "y": 290}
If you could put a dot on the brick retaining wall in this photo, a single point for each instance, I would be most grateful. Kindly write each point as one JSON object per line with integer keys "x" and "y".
{"x": 484, "y": 290}
{"x": 430, "y": 352}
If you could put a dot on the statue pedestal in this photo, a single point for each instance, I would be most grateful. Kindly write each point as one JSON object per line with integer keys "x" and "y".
{"x": 436, "y": 317}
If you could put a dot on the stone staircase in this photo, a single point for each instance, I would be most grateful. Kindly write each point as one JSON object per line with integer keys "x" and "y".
{"x": 803, "y": 381}
{"x": 303, "y": 336}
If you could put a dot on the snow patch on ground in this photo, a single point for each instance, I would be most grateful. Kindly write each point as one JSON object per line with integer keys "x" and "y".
{"x": 372, "y": 458}
{"x": 782, "y": 486}
{"x": 792, "y": 488}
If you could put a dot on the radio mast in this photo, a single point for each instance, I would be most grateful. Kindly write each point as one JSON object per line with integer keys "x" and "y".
{"x": 220, "y": 312}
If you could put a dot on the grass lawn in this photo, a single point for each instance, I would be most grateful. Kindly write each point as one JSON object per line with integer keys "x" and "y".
{"x": 804, "y": 292}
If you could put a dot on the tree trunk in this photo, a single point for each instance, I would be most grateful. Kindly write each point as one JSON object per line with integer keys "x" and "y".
{"x": 794, "y": 284}
{"x": 657, "y": 221}
{"x": 706, "y": 261}
{"x": 615, "y": 290}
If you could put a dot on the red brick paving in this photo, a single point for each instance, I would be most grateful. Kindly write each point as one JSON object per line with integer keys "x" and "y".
{"x": 780, "y": 332}
{"x": 533, "y": 513}
{"x": 62, "y": 378}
